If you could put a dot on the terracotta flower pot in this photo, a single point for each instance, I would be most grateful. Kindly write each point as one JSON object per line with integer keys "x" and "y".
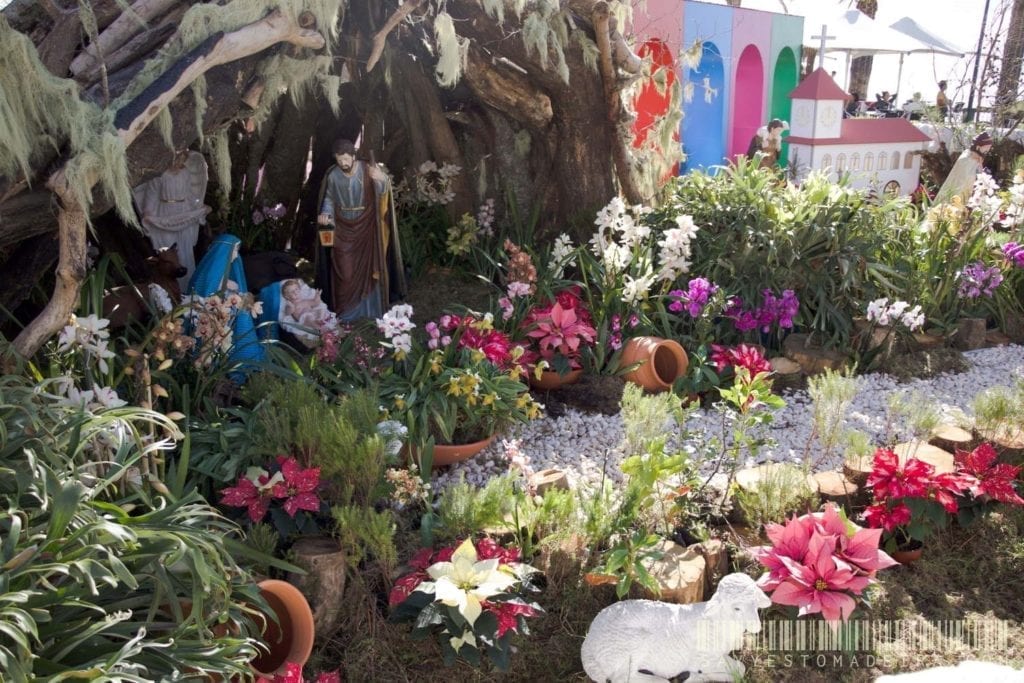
{"x": 906, "y": 557}
{"x": 448, "y": 454}
{"x": 664, "y": 361}
{"x": 290, "y": 638}
{"x": 550, "y": 379}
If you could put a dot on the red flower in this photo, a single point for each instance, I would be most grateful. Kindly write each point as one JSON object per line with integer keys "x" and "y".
{"x": 299, "y": 486}
{"x": 507, "y": 613}
{"x": 889, "y": 478}
{"x": 329, "y": 677}
{"x": 292, "y": 674}
{"x": 880, "y": 516}
{"x": 421, "y": 560}
{"x": 743, "y": 356}
{"x": 405, "y": 587}
{"x": 721, "y": 356}
{"x": 487, "y": 549}
{"x": 445, "y": 554}
{"x": 247, "y": 495}
{"x": 987, "y": 478}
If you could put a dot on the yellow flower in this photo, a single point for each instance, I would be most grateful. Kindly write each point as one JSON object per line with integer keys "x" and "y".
{"x": 489, "y": 399}
{"x": 515, "y": 372}
{"x": 400, "y": 402}
{"x": 454, "y": 387}
{"x": 400, "y": 354}
{"x": 477, "y": 355}
{"x": 523, "y": 401}
{"x": 435, "y": 364}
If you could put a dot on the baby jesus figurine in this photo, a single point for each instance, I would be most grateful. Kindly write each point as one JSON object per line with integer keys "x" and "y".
{"x": 303, "y": 312}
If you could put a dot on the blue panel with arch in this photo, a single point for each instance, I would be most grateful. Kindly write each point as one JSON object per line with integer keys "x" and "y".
{"x": 704, "y": 119}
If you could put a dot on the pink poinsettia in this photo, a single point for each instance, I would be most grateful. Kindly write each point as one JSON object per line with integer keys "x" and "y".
{"x": 561, "y": 331}
{"x": 819, "y": 562}
{"x": 820, "y": 584}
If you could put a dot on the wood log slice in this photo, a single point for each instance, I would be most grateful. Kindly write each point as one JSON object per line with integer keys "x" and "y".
{"x": 952, "y": 438}
{"x": 324, "y": 584}
{"x": 835, "y": 487}
{"x": 858, "y": 468}
{"x": 940, "y": 459}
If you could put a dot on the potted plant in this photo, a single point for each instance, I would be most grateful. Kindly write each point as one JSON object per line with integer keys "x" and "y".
{"x": 473, "y": 598}
{"x": 910, "y": 502}
{"x": 559, "y": 332}
{"x": 462, "y": 386}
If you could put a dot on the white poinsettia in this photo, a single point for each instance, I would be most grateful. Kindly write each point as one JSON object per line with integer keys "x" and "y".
{"x": 464, "y": 582}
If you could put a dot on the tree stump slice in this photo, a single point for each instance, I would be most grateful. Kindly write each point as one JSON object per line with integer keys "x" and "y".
{"x": 324, "y": 584}
{"x": 679, "y": 573}
{"x": 952, "y": 438}
{"x": 551, "y": 478}
{"x": 940, "y": 459}
{"x": 788, "y": 374}
{"x": 1008, "y": 441}
{"x": 835, "y": 487}
{"x": 858, "y": 468}
{"x": 750, "y": 478}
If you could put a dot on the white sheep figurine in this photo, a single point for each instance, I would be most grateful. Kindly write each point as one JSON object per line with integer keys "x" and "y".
{"x": 650, "y": 641}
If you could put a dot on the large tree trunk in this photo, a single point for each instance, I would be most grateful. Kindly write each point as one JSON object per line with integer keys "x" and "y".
{"x": 860, "y": 67}
{"x": 1009, "y": 91}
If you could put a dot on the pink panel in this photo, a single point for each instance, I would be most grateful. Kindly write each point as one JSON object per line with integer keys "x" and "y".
{"x": 749, "y": 28}
{"x": 661, "y": 19}
{"x": 748, "y": 99}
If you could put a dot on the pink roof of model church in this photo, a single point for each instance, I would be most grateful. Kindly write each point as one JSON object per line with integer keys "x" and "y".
{"x": 864, "y": 131}
{"x": 818, "y": 86}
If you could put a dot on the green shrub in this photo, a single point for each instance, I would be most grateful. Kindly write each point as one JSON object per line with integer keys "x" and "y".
{"x": 98, "y": 565}
{"x": 779, "y": 493}
{"x": 828, "y": 242}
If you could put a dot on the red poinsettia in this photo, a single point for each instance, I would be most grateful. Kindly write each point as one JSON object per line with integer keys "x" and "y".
{"x": 257, "y": 489}
{"x": 299, "y": 486}
{"x": 879, "y": 516}
{"x": 988, "y": 478}
{"x": 557, "y": 330}
{"x": 293, "y": 674}
{"x": 891, "y": 479}
{"x": 742, "y": 356}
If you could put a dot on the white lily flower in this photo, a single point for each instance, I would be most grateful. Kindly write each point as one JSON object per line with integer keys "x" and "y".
{"x": 464, "y": 582}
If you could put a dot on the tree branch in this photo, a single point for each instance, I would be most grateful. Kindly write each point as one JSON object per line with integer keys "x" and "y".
{"x": 614, "y": 101}
{"x": 130, "y": 122}
{"x": 379, "y": 38}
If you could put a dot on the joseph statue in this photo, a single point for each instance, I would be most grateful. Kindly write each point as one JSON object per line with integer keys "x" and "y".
{"x": 359, "y": 266}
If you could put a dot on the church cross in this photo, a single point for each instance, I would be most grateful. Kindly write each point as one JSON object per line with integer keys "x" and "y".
{"x": 821, "y": 50}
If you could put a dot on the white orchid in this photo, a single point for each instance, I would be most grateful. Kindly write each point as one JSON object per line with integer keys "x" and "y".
{"x": 464, "y": 582}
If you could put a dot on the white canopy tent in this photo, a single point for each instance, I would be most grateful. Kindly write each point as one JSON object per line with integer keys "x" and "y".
{"x": 855, "y": 34}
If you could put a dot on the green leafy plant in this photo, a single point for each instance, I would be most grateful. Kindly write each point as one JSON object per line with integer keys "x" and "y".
{"x": 780, "y": 492}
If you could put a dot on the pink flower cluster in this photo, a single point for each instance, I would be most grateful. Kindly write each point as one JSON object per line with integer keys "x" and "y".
{"x": 694, "y": 299}
{"x": 820, "y": 563}
{"x": 615, "y": 341}
{"x": 775, "y": 310}
{"x": 295, "y": 485}
{"x": 977, "y": 279}
{"x": 1014, "y": 252}
{"x": 893, "y": 481}
{"x": 486, "y": 549}
{"x": 472, "y": 334}
{"x": 293, "y": 674}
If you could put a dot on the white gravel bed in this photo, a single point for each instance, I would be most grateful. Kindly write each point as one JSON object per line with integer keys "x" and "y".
{"x": 588, "y": 447}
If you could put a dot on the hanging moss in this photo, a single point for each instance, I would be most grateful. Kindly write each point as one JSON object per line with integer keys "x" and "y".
{"x": 219, "y": 153}
{"x": 165, "y": 126}
{"x": 591, "y": 53}
{"x": 37, "y": 108}
{"x": 495, "y": 9}
{"x": 452, "y": 51}
{"x": 199, "y": 94}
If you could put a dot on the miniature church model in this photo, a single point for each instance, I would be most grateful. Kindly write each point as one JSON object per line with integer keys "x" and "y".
{"x": 877, "y": 154}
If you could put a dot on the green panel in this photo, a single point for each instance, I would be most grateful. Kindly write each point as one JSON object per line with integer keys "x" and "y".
{"x": 784, "y": 79}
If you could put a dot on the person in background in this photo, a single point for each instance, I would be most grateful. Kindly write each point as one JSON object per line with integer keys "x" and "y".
{"x": 853, "y": 106}
{"x": 941, "y": 101}
{"x": 960, "y": 181}
{"x": 884, "y": 101}
{"x": 767, "y": 143}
